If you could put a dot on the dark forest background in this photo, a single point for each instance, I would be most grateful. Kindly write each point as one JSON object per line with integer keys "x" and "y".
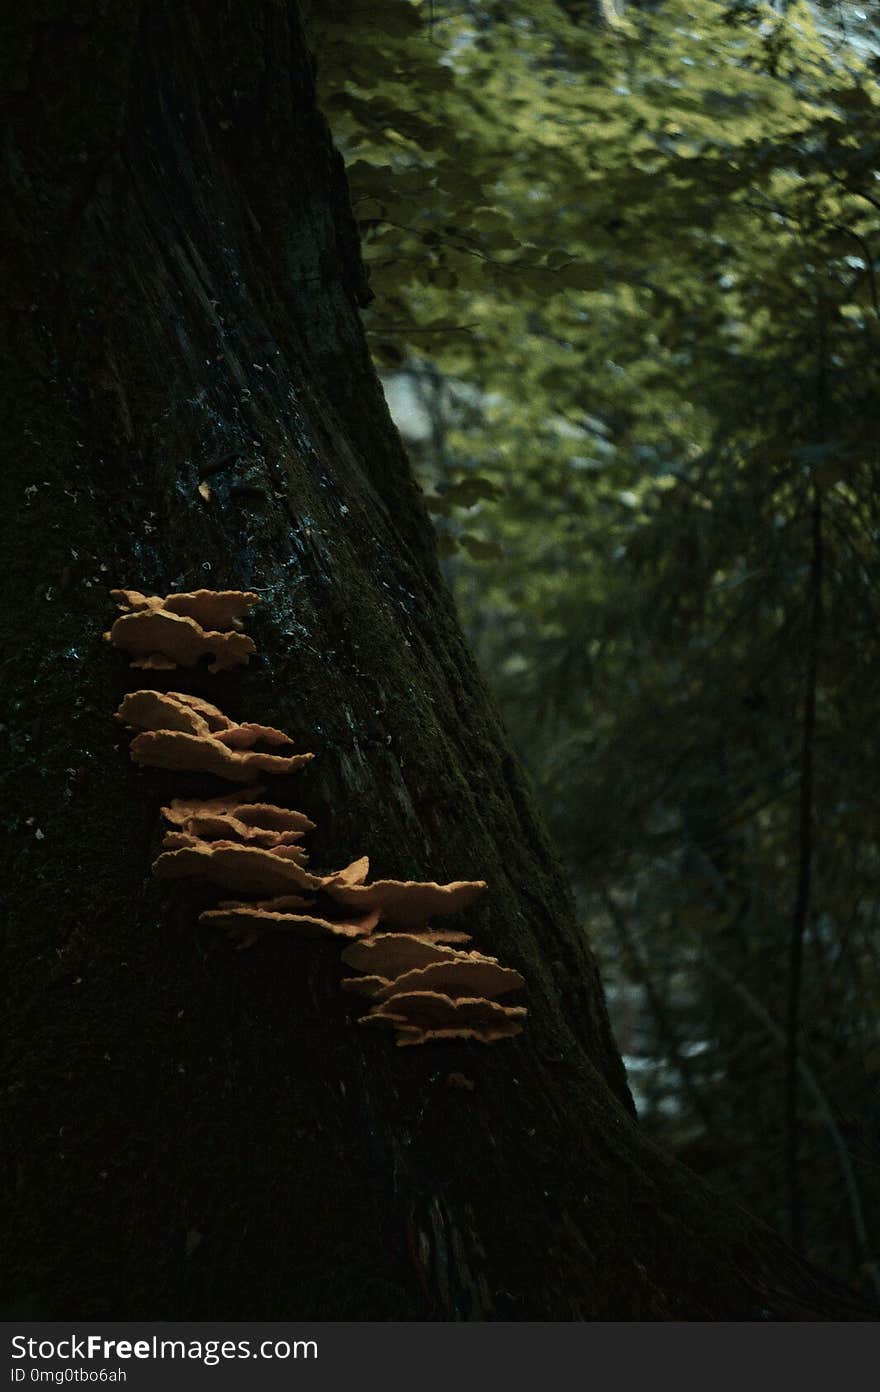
{"x": 624, "y": 267}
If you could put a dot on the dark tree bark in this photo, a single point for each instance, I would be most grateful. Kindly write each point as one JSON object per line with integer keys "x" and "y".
{"x": 194, "y": 1132}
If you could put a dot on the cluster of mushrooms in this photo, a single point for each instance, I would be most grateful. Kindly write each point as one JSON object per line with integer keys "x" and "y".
{"x": 419, "y": 980}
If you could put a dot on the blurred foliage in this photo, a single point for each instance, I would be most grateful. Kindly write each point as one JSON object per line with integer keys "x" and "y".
{"x": 626, "y": 273}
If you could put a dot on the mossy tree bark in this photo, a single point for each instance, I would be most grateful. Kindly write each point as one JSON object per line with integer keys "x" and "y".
{"x": 195, "y": 1132}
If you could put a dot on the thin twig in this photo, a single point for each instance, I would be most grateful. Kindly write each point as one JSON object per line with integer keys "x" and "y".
{"x": 805, "y": 862}
{"x": 665, "y": 1028}
{"x": 823, "y": 1107}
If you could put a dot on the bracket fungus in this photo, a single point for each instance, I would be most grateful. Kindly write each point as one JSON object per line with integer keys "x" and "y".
{"x": 243, "y": 807}
{"x": 180, "y": 732}
{"x": 467, "y": 974}
{"x": 417, "y": 980}
{"x": 211, "y": 608}
{"x": 181, "y": 840}
{"x": 407, "y": 902}
{"x": 214, "y": 718}
{"x": 250, "y": 921}
{"x": 265, "y": 815}
{"x": 224, "y": 826}
{"x": 172, "y": 749}
{"x": 161, "y": 710}
{"x": 391, "y": 954}
{"x": 250, "y": 869}
{"x": 173, "y": 710}
{"x": 428, "y": 991}
{"x": 181, "y": 629}
{"x": 247, "y": 735}
{"x": 420, "y": 1017}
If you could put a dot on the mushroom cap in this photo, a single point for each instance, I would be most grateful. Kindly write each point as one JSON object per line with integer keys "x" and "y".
{"x": 215, "y": 718}
{"x": 213, "y": 609}
{"x": 243, "y": 807}
{"x": 225, "y": 826}
{"x": 353, "y": 874}
{"x": 391, "y": 954}
{"x": 133, "y": 600}
{"x": 176, "y": 749}
{"x": 179, "y": 810}
{"x": 157, "y": 637}
{"x": 251, "y": 920}
{"x": 418, "y": 1017}
{"x": 368, "y": 986}
{"x": 266, "y": 815}
{"x": 158, "y": 710}
{"x": 284, "y": 852}
{"x": 409, "y": 902}
{"x": 210, "y": 608}
{"x": 181, "y": 840}
{"x": 172, "y": 711}
{"x": 464, "y": 976}
{"x": 434, "y": 1010}
{"x": 245, "y": 868}
{"x": 245, "y": 736}
{"x": 488, "y": 1034}
{"x": 249, "y": 869}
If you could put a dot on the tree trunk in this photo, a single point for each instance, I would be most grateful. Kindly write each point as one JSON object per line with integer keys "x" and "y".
{"x": 195, "y": 1132}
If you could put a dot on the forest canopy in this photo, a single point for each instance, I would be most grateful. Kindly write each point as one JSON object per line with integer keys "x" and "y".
{"x": 624, "y": 269}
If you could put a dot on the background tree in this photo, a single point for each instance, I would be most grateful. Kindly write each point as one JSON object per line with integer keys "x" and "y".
{"x": 191, "y": 1131}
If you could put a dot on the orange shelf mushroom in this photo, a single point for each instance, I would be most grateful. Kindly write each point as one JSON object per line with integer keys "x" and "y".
{"x": 420, "y": 1017}
{"x": 211, "y": 608}
{"x": 249, "y": 869}
{"x": 181, "y": 732}
{"x": 223, "y": 826}
{"x": 388, "y": 955}
{"x": 180, "y": 629}
{"x": 244, "y": 807}
{"x": 173, "y": 710}
{"x": 465, "y": 974}
{"x": 428, "y": 991}
{"x": 172, "y": 749}
{"x": 182, "y": 840}
{"x": 417, "y": 979}
{"x": 250, "y": 921}
{"x": 408, "y": 902}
